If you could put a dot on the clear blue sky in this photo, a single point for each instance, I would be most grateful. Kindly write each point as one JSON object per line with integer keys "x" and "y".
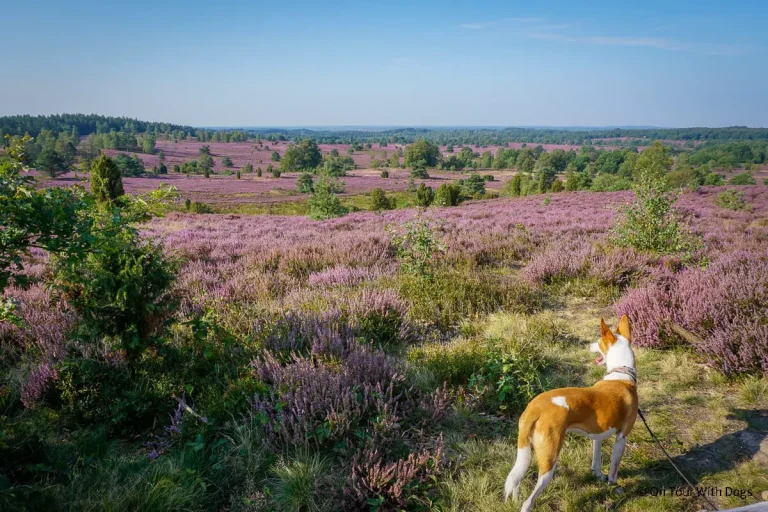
{"x": 564, "y": 63}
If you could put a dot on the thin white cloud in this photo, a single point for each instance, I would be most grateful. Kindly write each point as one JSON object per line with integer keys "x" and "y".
{"x": 537, "y": 28}
{"x": 502, "y": 21}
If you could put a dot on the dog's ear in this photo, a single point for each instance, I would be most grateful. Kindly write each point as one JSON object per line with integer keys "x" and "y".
{"x": 624, "y": 328}
{"x": 606, "y": 334}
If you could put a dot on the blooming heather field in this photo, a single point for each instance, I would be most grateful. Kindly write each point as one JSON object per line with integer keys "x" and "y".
{"x": 380, "y": 387}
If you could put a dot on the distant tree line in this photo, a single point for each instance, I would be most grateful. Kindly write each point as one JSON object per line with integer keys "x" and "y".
{"x": 84, "y": 124}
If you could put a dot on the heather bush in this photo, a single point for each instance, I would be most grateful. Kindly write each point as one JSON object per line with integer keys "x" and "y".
{"x": 379, "y": 317}
{"x": 405, "y": 484}
{"x": 732, "y": 200}
{"x": 723, "y": 307}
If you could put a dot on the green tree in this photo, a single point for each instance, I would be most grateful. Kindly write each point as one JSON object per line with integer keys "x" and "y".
{"x": 743, "y": 178}
{"x": 205, "y": 163}
{"x": 304, "y": 156}
{"x": 226, "y": 162}
{"x": 448, "y": 194}
{"x": 305, "y": 184}
{"x": 248, "y": 168}
{"x": 512, "y": 186}
{"x": 394, "y": 161}
{"x": 50, "y": 162}
{"x": 422, "y": 150}
{"x": 275, "y": 156}
{"x": 324, "y": 204}
{"x": 425, "y": 195}
{"x": 106, "y": 181}
{"x": 148, "y": 142}
{"x": 379, "y": 200}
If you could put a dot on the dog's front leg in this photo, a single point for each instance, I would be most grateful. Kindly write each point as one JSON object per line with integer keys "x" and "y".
{"x": 618, "y": 452}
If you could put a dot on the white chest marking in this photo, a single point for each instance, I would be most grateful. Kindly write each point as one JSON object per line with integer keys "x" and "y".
{"x": 560, "y": 400}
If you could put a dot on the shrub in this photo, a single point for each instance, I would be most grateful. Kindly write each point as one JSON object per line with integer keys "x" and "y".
{"x": 424, "y": 195}
{"x": 489, "y": 177}
{"x": 379, "y": 318}
{"x": 106, "y": 181}
{"x": 508, "y": 381}
{"x": 448, "y": 194}
{"x": 512, "y": 186}
{"x": 305, "y": 183}
{"x": 384, "y": 174}
{"x": 557, "y": 186}
{"x": 405, "y": 484}
{"x": 453, "y": 362}
{"x": 650, "y": 222}
{"x": 248, "y": 168}
{"x": 474, "y": 186}
{"x": 420, "y": 173}
{"x": 743, "y": 178}
{"x": 274, "y": 171}
{"x": 226, "y": 162}
{"x": 416, "y": 248}
{"x": 238, "y": 174}
{"x": 121, "y": 287}
{"x": 324, "y": 204}
{"x": 713, "y": 179}
{"x": 258, "y": 172}
{"x": 380, "y": 201}
{"x": 197, "y": 207}
{"x": 732, "y": 200}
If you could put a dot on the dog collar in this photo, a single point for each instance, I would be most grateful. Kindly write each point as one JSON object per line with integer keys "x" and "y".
{"x": 626, "y": 370}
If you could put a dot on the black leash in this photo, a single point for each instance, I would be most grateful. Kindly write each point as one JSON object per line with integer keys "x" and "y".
{"x": 696, "y": 492}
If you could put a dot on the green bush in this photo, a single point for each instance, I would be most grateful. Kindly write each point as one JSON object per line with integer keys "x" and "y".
{"x": 448, "y": 194}
{"x": 474, "y": 186}
{"x": 324, "y": 204}
{"x": 380, "y": 201}
{"x": 453, "y": 362}
{"x": 743, "y": 178}
{"x": 420, "y": 173}
{"x": 120, "y": 288}
{"x": 416, "y": 248}
{"x": 512, "y": 187}
{"x": 424, "y": 195}
{"x": 557, "y": 186}
{"x": 106, "y": 180}
{"x": 385, "y": 174}
{"x": 713, "y": 179}
{"x": 305, "y": 183}
{"x": 732, "y": 200}
{"x": 197, "y": 207}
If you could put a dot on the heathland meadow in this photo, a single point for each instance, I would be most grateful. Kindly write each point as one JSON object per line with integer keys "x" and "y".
{"x": 374, "y": 352}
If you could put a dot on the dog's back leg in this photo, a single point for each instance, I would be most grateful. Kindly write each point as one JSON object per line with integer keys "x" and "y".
{"x": 547, "y": 442}
{"x": 523, "y": 460}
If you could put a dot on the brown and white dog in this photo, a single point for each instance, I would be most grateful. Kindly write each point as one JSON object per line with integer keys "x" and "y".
{"x": 609, "y": 407}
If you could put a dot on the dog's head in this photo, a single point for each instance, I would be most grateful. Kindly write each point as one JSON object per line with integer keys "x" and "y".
{"x": 608, "y": 340}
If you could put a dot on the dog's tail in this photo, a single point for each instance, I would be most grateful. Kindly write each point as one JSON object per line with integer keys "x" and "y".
{"x": 525, "y": 433}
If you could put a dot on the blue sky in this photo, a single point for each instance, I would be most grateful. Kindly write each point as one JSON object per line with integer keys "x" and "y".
{"x": 556, "y": 63}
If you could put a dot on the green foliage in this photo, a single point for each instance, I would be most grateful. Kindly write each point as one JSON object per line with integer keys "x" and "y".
{"x": 305, "y": 183}
{"x": 512, "y": 187}
{"x": 379, "y": 200}
{"x": 227, "y": 162}
{"x": 732, "y": 200}
{"x": 743, "y": 178}
{"x": 425, "y": 195}
{"x": 609, "y": 183}
{"x": 205, "y": 163}
{"x": 129, "y": 166}
{"x": 416, "y": 248}
{"x": 238, "y": 174}
{"x": 148, "y": 141}
{"x": 106, "y": 181}
{"x": 274, "y": 171}
{"x": 121, "y": 287}
{"x": 420, "y": 173}
{"x": 448, "y": 194}
{"x": 650, "y": 223}
{"x": 713, "y": 179}
{"x": 296, "y": 484}
{"x": 384, "y": 174}
{"x": 337, "y": 166}
{"x": 557, "y": 186}
{"x": 248, "y": 168}
{"x": 474, "y": 186}
{"x": 324, "y": 204}
{"x": 275, "y": 157}
{"x": 304, "y": 156}
{"x": 509, "y": 380}
{"x": 547, "y": 201}
{"x": 422, "y": 151}
{"x": 453, "y": 362}
{"x": 258, "y": 172}
{"x": 198, "y": 207}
